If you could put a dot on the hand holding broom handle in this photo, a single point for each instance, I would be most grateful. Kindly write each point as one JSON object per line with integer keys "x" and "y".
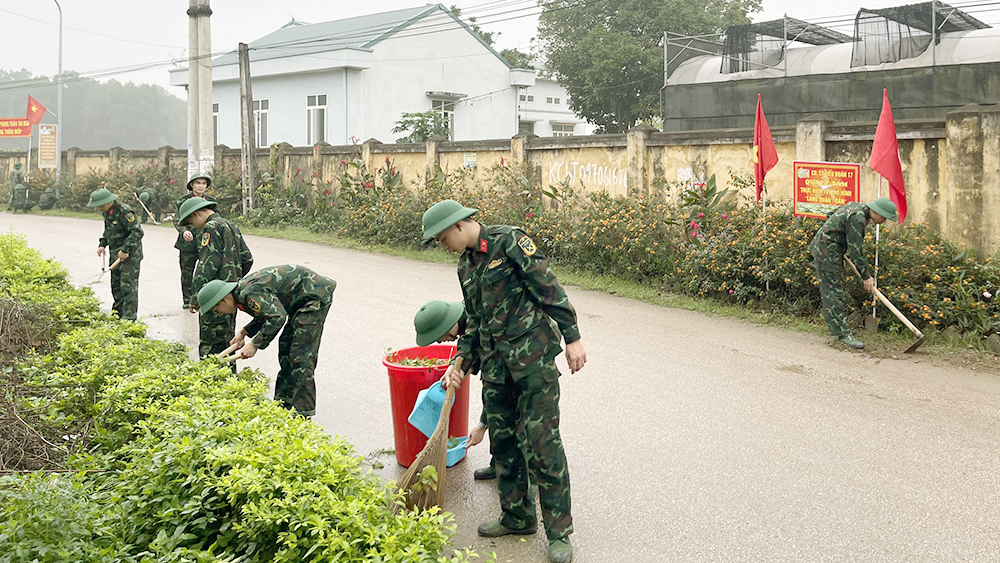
{"x": 885, "y": 301}
{"x": 232, "y": 348}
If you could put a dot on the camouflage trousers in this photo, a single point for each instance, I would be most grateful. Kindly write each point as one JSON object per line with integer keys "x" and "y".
{"x": 215, "y": 331}
{"x": 298, "y": 350}
{"x": 523, "y": 421}
{"x": 831, "y": 294}
{"x": 125, "y": 287}
{"x": 188, "y": 260}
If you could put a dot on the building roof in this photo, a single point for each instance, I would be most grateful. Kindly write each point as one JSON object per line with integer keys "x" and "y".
{"x": 964, "y": 47}
{"x": 362, "y": 32}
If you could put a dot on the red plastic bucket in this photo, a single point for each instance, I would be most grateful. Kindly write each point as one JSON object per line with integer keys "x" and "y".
{"x": 405, "y": 382}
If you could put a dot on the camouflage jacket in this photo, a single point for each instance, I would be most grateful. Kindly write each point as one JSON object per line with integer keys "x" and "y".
{"x": 843, "y": 233}
{"x": 511, "y": 299}
{"x": 122, "y": 231}
{"x": 180, "y": 243}
{"x": 272, "y": 294}
{"x": 222, "y": 255}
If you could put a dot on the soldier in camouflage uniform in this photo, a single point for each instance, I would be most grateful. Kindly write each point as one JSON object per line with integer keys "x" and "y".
{"x": 291, "y": 296}
{"x": 47, "y": 200}
{"x": 185, "y": 237}
{"x": 514, "y": 302}
{"x": 844, "y": 233}
{"x": 123, "y": 237}
{"x": 223, "y": 255}
{"x": 438, "y": 321}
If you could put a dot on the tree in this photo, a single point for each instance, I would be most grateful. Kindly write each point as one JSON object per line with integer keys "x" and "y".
{"x": 488, "y": 36}
{"x": 422, "y": 126}
{"x": 517, "y": 59}
{"x": 98, "y": 115}
{"x": 609, "y": 55}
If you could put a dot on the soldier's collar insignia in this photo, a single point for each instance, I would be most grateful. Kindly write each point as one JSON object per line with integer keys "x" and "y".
{"x": 253, "y": 306}
{"x": 484, "y": 246}
{"x": 206, "y": 238}
{"x": 527, "y": 245}
{"x": 495, "y": 263}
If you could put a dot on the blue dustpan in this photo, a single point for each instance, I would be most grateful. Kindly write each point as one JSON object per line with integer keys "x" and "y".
{"x": 457, "y": 453}
{"x": 427, "y": 409}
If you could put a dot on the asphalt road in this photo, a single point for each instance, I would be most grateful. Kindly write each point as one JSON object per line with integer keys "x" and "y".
{"x": 689, "y": 437}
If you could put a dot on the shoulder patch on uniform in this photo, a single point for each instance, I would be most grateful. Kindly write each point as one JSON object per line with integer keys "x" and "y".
{"x": 130, "y": 217}
{"x": 527, "y": 245}
{"x": 495, "y": 263}
{"x": 253, "y": 306}
{"x": 206, "y": 238}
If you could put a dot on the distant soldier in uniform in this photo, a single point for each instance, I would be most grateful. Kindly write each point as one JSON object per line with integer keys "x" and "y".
{"x": 438, "y": 321}
{"x": 18, "y": 191}
{"x": 291, "y": 296}
{"x": 185, "y": 237}
{"x": 844, "y": 233}
{"x": 223, "y": 255}
{"x": 143, "y": 196}
{"x": 153, "y": 204}
{"x": 513, "y": 303}
{"x": 47, "y": 200}
{"x": 123, "y": 237}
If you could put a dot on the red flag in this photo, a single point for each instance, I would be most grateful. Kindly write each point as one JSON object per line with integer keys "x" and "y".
{"x": 765, "y": 156}
{"x": 885, "y": 157}
{"x": 35, "y": 111}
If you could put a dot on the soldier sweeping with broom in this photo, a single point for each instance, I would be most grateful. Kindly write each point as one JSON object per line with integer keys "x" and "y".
{"x": 511, "y": 300}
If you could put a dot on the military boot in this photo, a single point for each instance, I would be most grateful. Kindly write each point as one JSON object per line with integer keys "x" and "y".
{"x": 851, "y": 341}
{"x": 495, "y": 529}
{"x": 485, "y": 473}
{"x": 560, "y": 551}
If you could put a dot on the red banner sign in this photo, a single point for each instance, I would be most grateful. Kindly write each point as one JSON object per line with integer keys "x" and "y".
{"x": 15, "y": 127}
{"x": 821, "y": 187}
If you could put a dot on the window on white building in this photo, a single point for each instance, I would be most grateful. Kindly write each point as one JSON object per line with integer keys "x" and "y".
{"x": 552, "y": 101}
{"x": 530, "y": 98}
{"x": 316, "y": 118}
{"x": 215, "y": 124}
{"x": 525, "y": 126}
{"x": 260, "y": 108}
{"x": 562, "y": 129}
{"x": 446, "y": 109}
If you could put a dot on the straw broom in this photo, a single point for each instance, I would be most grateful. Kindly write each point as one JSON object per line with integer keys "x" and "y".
{"x": 420, "y": 492}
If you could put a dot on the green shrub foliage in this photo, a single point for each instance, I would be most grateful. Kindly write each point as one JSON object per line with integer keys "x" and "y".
{"x": 173, "y": 461}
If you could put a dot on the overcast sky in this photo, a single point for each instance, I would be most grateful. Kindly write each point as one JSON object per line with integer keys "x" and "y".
{"x": 104, "y": 38}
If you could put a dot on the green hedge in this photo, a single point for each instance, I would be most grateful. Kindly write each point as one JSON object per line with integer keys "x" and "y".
{"x": 180, "y": 461}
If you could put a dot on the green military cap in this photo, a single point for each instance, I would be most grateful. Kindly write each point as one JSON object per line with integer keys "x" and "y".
{"x": 144, "y": 196}
{"x": 443, "y": 215}
{"x": 199, "y": 175}
{"x": 100, "y": 197}
{"x": 884, "y": 207}
{"x": 213, "y": 292}
{"x": 190, "y": 206}
{"x": 17, "y": 166}
{"x": 435, "y": 319}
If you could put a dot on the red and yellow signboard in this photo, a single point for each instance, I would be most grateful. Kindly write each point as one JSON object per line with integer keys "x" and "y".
{"x": 821, "y": 187}
{"x": 14, "y": 127}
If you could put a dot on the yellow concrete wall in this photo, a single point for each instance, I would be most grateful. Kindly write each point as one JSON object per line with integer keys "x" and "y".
{"x": 592, "y": 168}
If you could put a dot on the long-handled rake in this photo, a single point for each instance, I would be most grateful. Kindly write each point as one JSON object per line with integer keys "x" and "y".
{"x": 885, "y": 301}
{"x": 424, "y": 488}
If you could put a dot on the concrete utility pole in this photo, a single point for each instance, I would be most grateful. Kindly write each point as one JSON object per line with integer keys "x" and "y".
{"x": 59, "y": 89}
{"x": 201, "y": 145}
{"x": 248, "y": 155}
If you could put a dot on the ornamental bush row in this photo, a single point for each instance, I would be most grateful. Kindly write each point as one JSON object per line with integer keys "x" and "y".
{"x": 690, "y": 239}
{"x": 175, "y": 461}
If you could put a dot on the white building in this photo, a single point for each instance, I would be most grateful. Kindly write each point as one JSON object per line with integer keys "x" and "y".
{"x": 351, "y": 80}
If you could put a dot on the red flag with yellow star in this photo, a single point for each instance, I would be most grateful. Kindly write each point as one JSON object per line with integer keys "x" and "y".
{"x": 765, "y": 156}
{"x": 35, "y": 111}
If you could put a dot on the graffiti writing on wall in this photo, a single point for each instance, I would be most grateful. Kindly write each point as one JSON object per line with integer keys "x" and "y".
{"x": 591, "y": 175}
